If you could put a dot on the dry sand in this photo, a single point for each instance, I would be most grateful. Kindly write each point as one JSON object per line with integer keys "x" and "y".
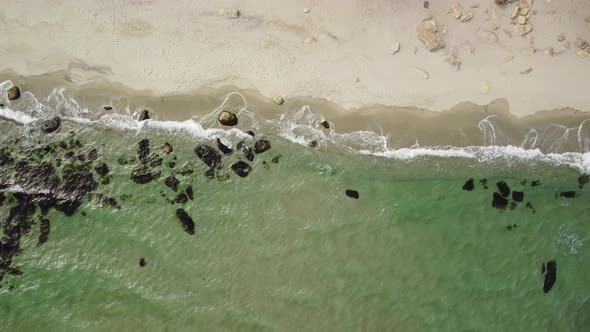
{"x": 174, "y": 47}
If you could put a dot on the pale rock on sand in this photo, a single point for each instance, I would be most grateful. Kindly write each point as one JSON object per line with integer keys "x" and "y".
{"x": 306, "y": 10}
{"x": 428, "y": 33}
{"x": 467, "y": 17}
{"x": 457, "y": 10}
{"x": 452, "y": 60}
{"x": 395, "y": 48}
{"x": 549, "y": 51}
{"x": 583, "y": 54}
{"x": 278, "y": 100}
{"x": 526, "y": 71}
{"x": 508, "y": 58}
{"x": 561, "y": 37}
{"x": 485, "y": 88}
{"x": 230, "y": 12}
{"x": 581, "y": 43}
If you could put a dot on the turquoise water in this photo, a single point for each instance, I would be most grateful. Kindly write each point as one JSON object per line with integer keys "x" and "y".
{"x": 284, "y": 249}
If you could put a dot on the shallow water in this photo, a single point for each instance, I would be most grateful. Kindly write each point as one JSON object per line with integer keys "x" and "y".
{"x": 285, "y": 249}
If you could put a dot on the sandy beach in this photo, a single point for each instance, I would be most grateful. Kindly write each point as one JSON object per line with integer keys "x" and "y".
{"x": 340, "y": 51}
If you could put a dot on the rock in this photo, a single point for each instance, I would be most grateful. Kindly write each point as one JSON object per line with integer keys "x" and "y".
{"x": 469, "y": 185}
{"x": 567, "y": 194}
{"x": 325, "y": 124}
{"x": 352, "y": 193}
{"x": 580, "y": 43}
{"x": 549, "y": 51}
{"x": 536, "y": 183}
{"x": 143, "y": 175}
{"x": 144, "y": 115}
{"x": 230, "y": 12}
{"x": 251, "y": 133}
{"x": 583, "y": 54}
{"x": 210, "y": 174}
{"x": 209, "y": 156}
{"x": 313, "y": 144}
{"x": 227, "y": 119}
{"x": 550, "y": 276}
{"x": 107, "y": 108}
{"x": 241, "y": 168}
{"x": 584, "y": 179}
{"x": 13, "y": 93}
{"x": 142, "y": 262}
{"x": 278, "y": 100}
{"x": 52, "y": 125}
{"x": 261, "y": 146}
{"x": 187, "y": 172}
{"x": 275, "y": 160}
{"x": 189, "y": 192}
{"x": 521, "y": 19}
{"x": 44, "y": 228}
{"x": 530, "y": 206}
{"x": 426, "y": 4}
{"x": 499, "y": 202}
{"x": 224, "y": 148}
{"x": 172, "y": 183}
{"x": 427, "y": 32}
{"x": 457, "y": 10}
{"x": 167, "y": 148}
{"x": 517, "y": 196}
{"x": 484, "y": 183}
{"x": 467, "y": 17}
{"x": 143, "y": 151}
{"x": 102, "y": 169}
{"x": 246, "y": 150}
{"x": 509, "y": 227}
{"x": 452, "y": 60}
{"x": 395, "y": 47}
{"x": 222, "y": 176}
{"x": 70, "y": 156}
{"x": 110, "y": 202}
{"x": 526, "y": 71}
{"x": 81, "y": 157}
{"x": 181, "y": 198}
{"x": 522, "y": 29}
{"x": 186, "y": 221}
{"x": 560, "y": 37}
{"x": 305, "y": 10}
{"x": 503, "y": 188}
{"x": 93, "y": 155}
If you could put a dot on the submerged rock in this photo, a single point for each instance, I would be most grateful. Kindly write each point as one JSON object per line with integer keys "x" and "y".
{"x": 325, "y": 124}
{"x": 224, "y": 148}
{"x": 51, "y": 125}
{"x": 241, "y": 168}
{"x": 44, "y": 229}
{"x": 227, "y": 119}
{"x": 92, "y": 155}
{"x": 352, "y": 193}
{"x": 187, "y": 172}
{"x": 102, "y": 169}
{"x": 189, "y": 192}
{"x": 530, "y": 206}
{"x": 567, "y": 194}
{"x": 186, "y": 221}
{"x": 503, "y": 188}
{"x": 246, "y": 150}
{"x": 261, "y": 146}
{"x": 209, "y": 156}
{"x": 484, "y": 183}
{"x": 499, "y": 202}
{"x": 13, "y": 93}
{"x": 167, "y": 148}
{"x": 584, "y": 179}
{"x": 275, "y": 159}
{"x": 181, "y": 198}
{"x": 550, "y": 276}
{"x": 143, "y": 175}
{"x": 142, "y": 262}
{"x": 143, "y": 152}
{"x": 469, "y": 185}
{"x": 536, "y": 183}
{"x": 210, "y": 174}
{"x": 251, "y": 133}
{"x": 517, "y": 196}
{"x": 172, "y": 183}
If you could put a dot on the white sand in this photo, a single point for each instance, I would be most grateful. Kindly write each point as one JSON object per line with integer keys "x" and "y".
{"x": 168, "y": 46}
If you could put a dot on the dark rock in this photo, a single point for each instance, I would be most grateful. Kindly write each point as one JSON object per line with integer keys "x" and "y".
{"x": 156, "y": 160}
{"x": 523, "y": 182}
{"x": 250, "y": 132}
{"x": 567, "y": 194}
{"x": 78, "y": 143}
{"x": 70, "y": 156}
{"x": 512, "y": 206}
{"x": 241, "y": 168}
{"x": 144, "y": 175}
{"x": 426, "y": 4}
{"x": 227, "y": 118}
{"x": 51, "y": 125}
{"x": 143, "y": 152}
{"x": 325, "y": 124}
{"x": 275, "y": 160}
{"x": 503, "y": 188}
{"x": 189, "y": 192}
{"x": 93, "y": 155}
{"x": 13, "y": 93}
{"x": 186, "y": 221}
{"x": 352, "y": 193}
{"x": 509, "y": 227}
{"x": 107, "y": 108}
{"x": 517, "y": 196}
{"x": 210, "y": 174}
{"x": 102, "y": 169}
{"x": 77, "y": 182}
{"x": 246, "y": 150}
{"x": 81, "y": 157}
{"x": 468, "y": 185}
{"x": 142, "y": 262}
{"x": 530, "y": 206}
{"x": 171, "y": 164}
{"x": 167, "y": 148}
{"x": 584, "y": 179}
{"x": 105, "y": 180}
{"x": 172, "y": 183}
{"x": 550, "y": 276}
{"x": 499, "y": 202}
{"x": 484, "y": 183}
{"x": 209, "y": 156}
{"x": 261, "y": 146}
{"x": 187, "y": 172}
{"x": 224, "y": 148}
{"x": 536, "y": 183}
{"x": 181, "y": 198}
{"x": 144, "y": 115}
{"x": 44, "y": 227}
{"x": 313, "y": 144}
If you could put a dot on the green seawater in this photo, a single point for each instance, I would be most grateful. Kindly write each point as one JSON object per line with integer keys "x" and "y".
{"x": 285, "y": 249}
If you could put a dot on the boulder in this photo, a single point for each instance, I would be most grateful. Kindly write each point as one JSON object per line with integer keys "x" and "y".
{"x": 325, "y": 124}
{"x": 172, "y": 183}
{"x": 503, "y": 188}
{"x": 224, "y": 148}
{"x": 241, "y": 168}
{"x": 227, "y": 119}
{"x": 181, "y": 198}
{"x": 499, "y": 202}
{"x": 93, "y": 155}
{"x": 261, "y": 146}
{"x": 550, "y": 276}
{"x": 517, "y": 196}
{"x": 352, "y": 193}
{"x": 142, "y": 262}
{"x": 186, "y": 221}
{"x": 51, "y": 125}
{"x": 209, "y": 156}
{"x": 13, "y": 93}
{"x": 102, "y": 169}
{"x": 469, "y": 185}
{"x": 427, "y": 32}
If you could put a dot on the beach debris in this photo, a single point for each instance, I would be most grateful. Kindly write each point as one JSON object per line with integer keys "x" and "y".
{"x": 209, "y": 156}
{"x": 549, "y": 51}
{"x": 503, "y": 188}
{"x": 485, "y": 88}
{"x": 469, "y": 185}
{"x": 499, "y": 202}
{"x": 241, "y": 168}
{"x": 526, "y": 71}
{"x": 246, "y": 150}
{"x": 51, "y": 125}
{"x": 452, "y": 60}
{"x": 422, "y": 72}
{"x": 230, "y": 12}
{"x": 550, "y": 276}
{"x": 427, "y": 32}
{"x": 189, "y": 192}
{"x": 172, "y": 183}
{"x": 261, "y": 146}
{"x": 167, "y": 148}
{"x": 227, "y": 119}
{"x": 325, "y": 124}
{"x": 142, "y": 262}
{"x": 395, "y": 47}
{"x": 517, "y": 196}
{"x": 567, "y": 194}
{"x": 278, "y": 100}
{"x": 426, "y": 4}
{"x": 352, "y": 193}
{"x": 102, "y": 169}
{"x": 456, "y": 10}
{"x": 144, "y": 115}
{"x": 187, "y": 222}
{"x": 305, "y": 10}
{"x": 224, "y": 148}
{"x": 13, "y": 93}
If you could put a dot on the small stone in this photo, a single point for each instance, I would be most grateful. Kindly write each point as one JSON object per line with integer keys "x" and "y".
{"x": 352, "y": 193}
{"x": 395, "y": 48}
{"x": 241, "y": 168}
{"x": 305, "y": 10}
{"x": 142, "y": 262}
{"x": 230, "y": 12}
{"x": 13, "y": 93}
{"x": 560, "y": 37}
{"x": 261, "y": 146}
{"x": 549, "y": 51}
{"x": 167, "y": 148}
{"x": 508, "y": 58}
{"x": 499, "y": 202}
{"x": 172, "y": 183}
{"x": 181, "y": 198}
{"x": 227, "y": 118}
{"x": 521, "y": 19}
{"x": 144, "y": 115}
{"x": 526, "y": 71}
{"x": 567, "y": 194}
{"x": 51, "y": 125}
{"x": 107, "y": 108}
{"x": 518, "y": 196}
{"x": 278, "y": 100}
{"x": 550, "y": 276}
{"x": 325, "y": 124}
{"x": 186, "y": 221}
{"x": 469, "y": 185}
{"x": 427, "y": 32}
